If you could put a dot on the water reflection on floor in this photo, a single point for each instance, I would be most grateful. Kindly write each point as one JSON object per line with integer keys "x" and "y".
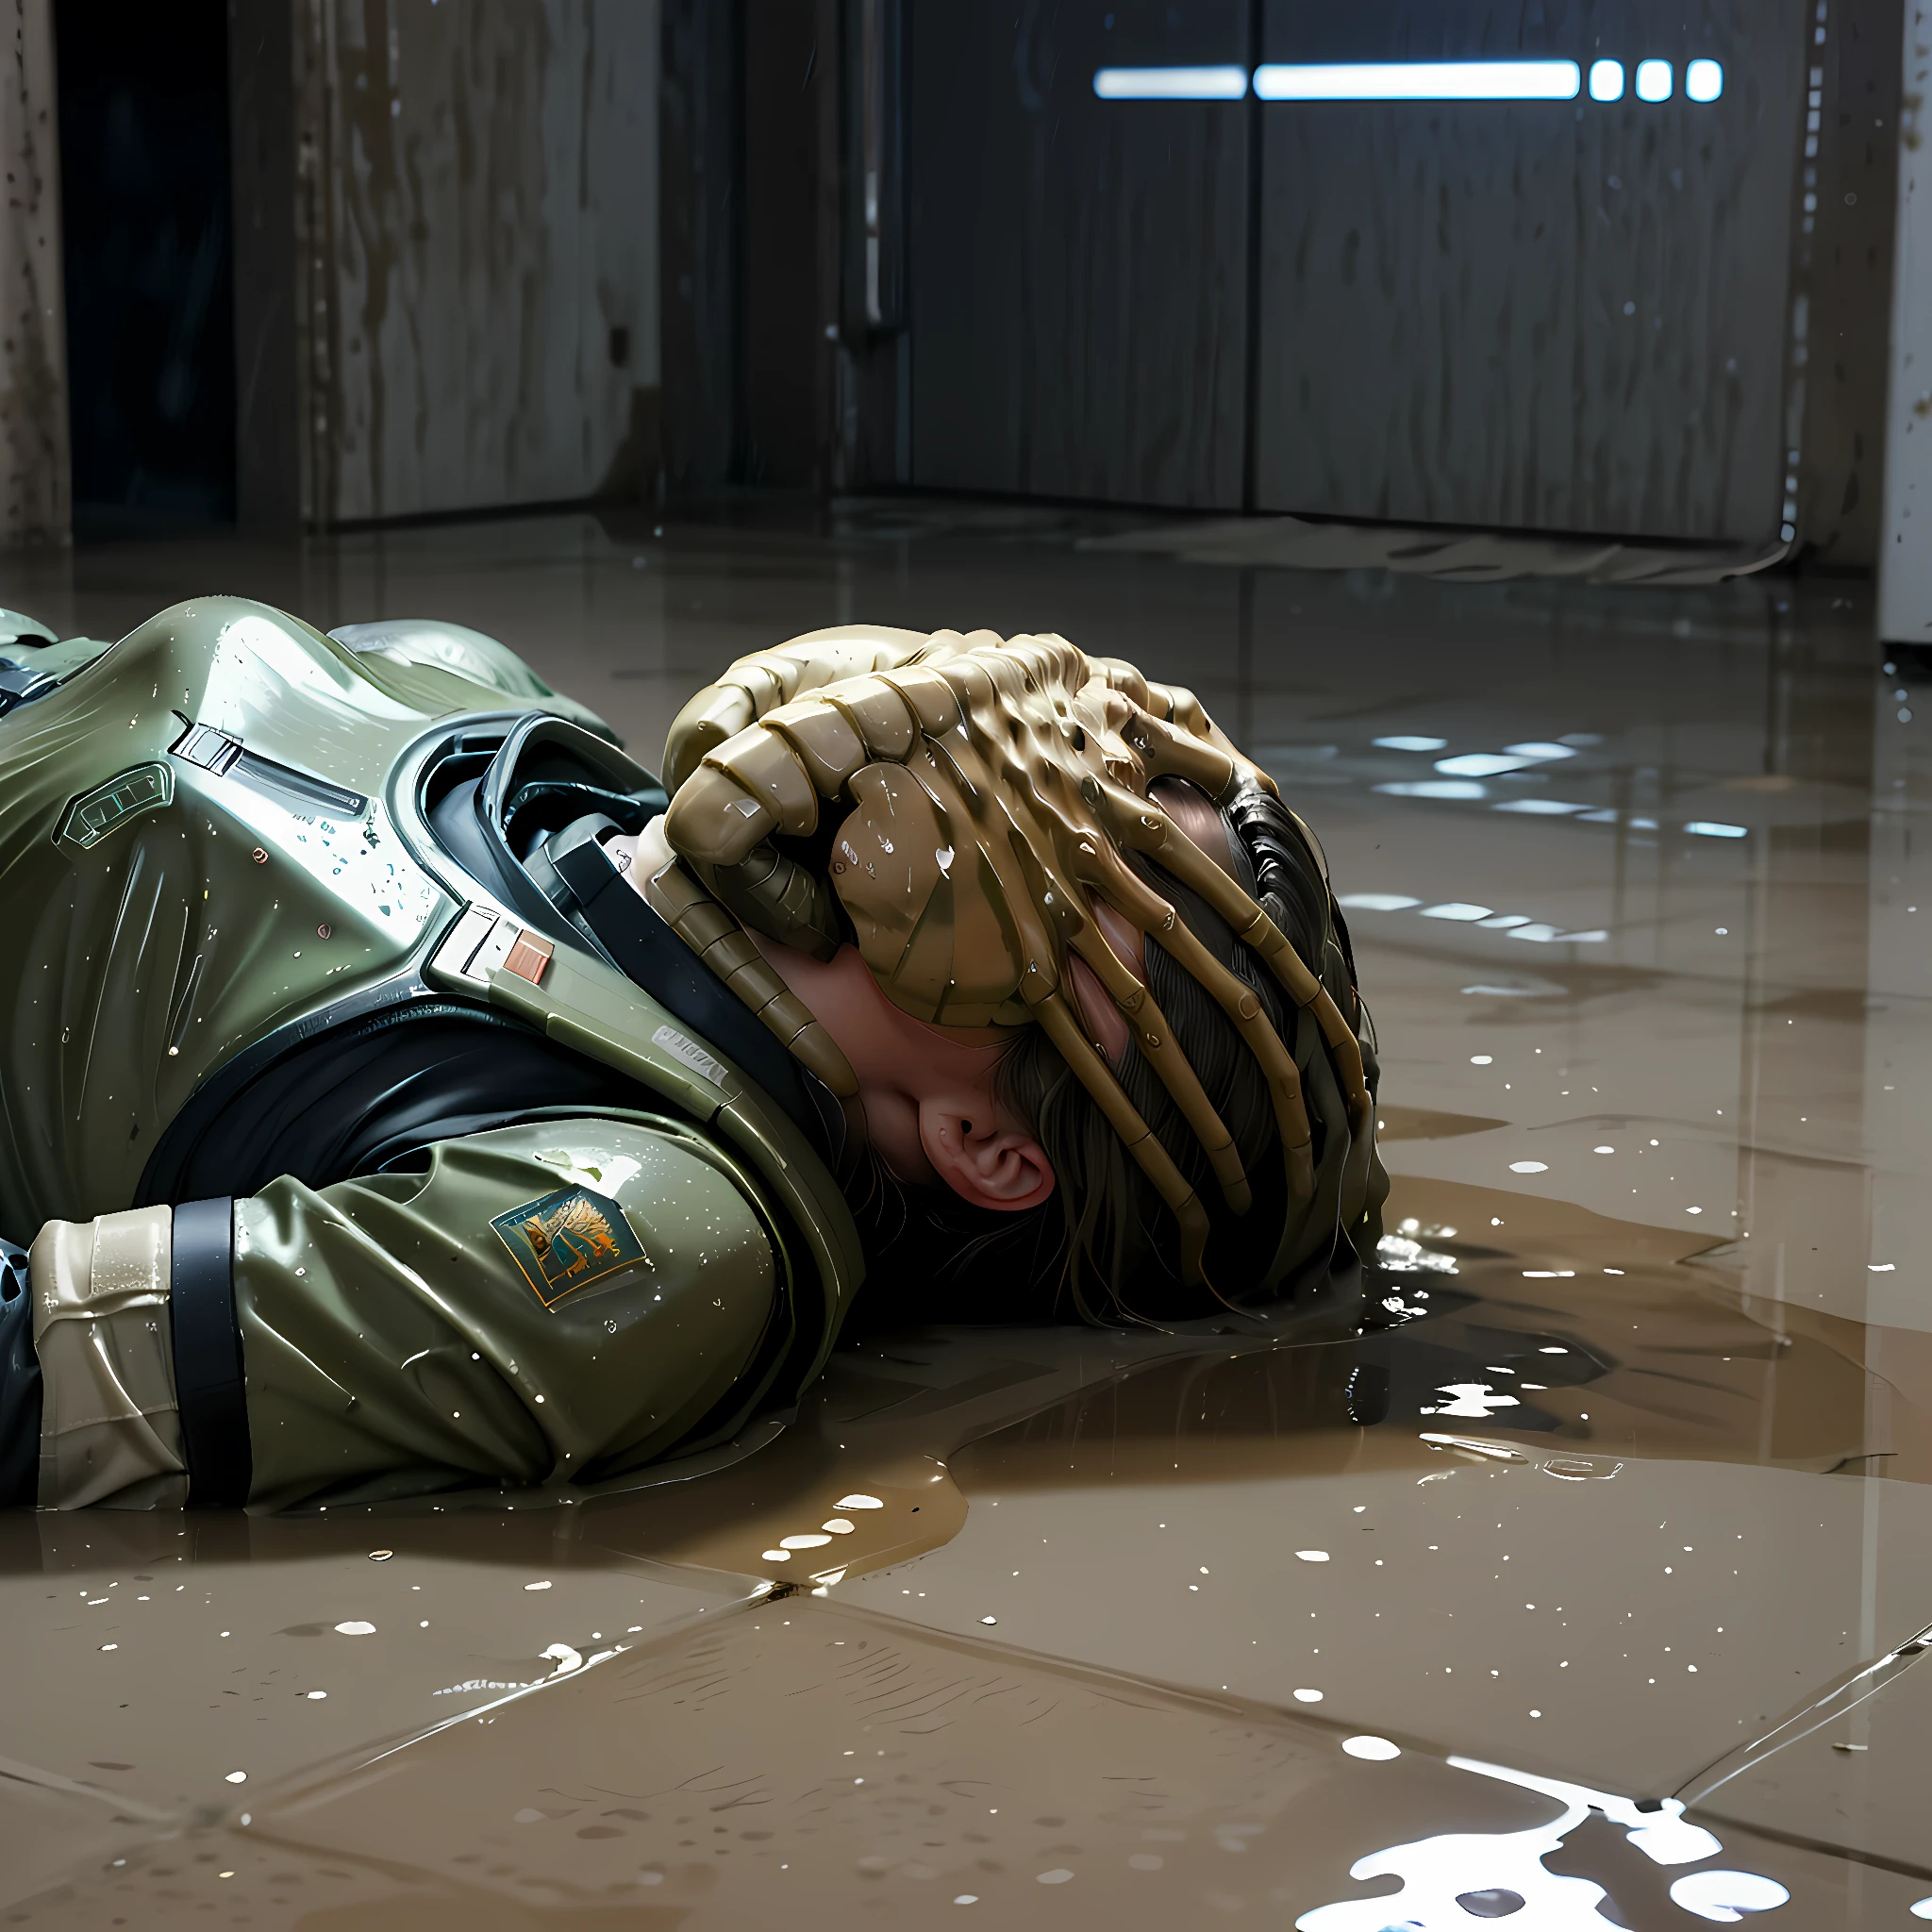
{"x": 1584, "y": 1595}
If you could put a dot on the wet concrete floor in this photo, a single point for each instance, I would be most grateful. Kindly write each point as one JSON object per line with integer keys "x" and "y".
{"x": 1588, "y": 1594}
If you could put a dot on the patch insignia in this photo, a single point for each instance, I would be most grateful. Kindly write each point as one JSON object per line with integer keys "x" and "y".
{"x": 528, "y": 957}
{"x": 564, "y": 1242}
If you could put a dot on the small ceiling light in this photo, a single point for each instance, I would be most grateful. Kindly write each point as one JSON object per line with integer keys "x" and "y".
{"x": 1654, "y": 80}
{"x": 1703, "y": 80}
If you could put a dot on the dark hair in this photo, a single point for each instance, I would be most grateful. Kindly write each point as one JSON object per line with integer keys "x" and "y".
{"x": 1105, "y": 1244}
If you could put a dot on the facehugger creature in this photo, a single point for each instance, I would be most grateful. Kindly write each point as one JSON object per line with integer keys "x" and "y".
{"x": 987, "y": 791}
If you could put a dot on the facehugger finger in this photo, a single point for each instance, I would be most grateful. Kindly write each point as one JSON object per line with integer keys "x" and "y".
{"x": 1127, "y": 894}
{"x": 715, "y": 935}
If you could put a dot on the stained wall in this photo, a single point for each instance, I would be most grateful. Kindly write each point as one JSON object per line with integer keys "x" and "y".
{"x": 1905, "y": 560}
{"x": 1559, "y": 316}
{"x": 34, "y": 465}
{"x": 1843, "y": 270}
{"x": 476, "y": 244}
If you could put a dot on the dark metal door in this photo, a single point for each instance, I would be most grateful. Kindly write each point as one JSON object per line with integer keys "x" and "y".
{"x": 1078, "y": 266}
{"x": 1548, "y": 315}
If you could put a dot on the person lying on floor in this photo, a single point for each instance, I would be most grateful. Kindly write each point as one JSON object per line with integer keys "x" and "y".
{"x": 405, "y": 1092}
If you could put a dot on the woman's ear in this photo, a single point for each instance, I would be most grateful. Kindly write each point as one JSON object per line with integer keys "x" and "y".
{"x": 982, "y": 1161}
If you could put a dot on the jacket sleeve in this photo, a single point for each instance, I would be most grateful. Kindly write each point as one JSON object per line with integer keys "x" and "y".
{"x": 543, "y": 1303}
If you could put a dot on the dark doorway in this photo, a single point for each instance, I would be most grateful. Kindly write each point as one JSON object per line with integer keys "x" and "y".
{"x": 143, "y": 93}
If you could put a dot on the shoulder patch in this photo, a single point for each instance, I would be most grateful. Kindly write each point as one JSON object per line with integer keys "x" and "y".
{"x": 564, "y": 1242}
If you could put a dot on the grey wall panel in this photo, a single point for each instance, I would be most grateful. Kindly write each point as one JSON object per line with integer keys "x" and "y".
{"x": 1842, "y": 270}
{"x": 1077, "y": 266}
{"x": 34, "y": 457}
{"x": 1565, "y": 316}
{"x": 479, "y": 224}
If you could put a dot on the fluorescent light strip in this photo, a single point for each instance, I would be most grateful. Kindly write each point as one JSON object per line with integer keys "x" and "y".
{"x": 1422, "y": 80}
{"x": 1171, "y": 83}
{"x": 1408, "y": 80}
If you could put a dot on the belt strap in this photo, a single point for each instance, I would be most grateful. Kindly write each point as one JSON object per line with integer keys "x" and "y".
{"x": 209, "y": 1382}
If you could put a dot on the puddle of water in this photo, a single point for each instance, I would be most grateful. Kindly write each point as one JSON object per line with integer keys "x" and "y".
{"x": 1066, "y": 1588}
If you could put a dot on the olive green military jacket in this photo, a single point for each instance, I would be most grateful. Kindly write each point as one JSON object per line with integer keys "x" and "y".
{"x": 218, "y": 863}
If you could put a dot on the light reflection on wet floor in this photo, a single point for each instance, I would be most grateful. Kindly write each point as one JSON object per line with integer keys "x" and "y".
{"x": 1627, "y": 1493}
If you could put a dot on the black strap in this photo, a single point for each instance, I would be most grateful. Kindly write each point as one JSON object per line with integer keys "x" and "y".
{"x": 208, "y": 1357}
{"x": 649, "y": 952}
{"x": 20, "y": 1383}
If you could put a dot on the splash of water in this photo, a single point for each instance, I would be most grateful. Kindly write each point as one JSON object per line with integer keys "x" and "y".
{"x": 1436, "y": 1873}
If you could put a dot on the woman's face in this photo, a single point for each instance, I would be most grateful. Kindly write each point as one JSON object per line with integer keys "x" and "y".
{"x": 927, "y": 1091}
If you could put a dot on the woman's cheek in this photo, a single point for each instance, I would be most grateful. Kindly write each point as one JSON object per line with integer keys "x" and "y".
{"x": 891, "y": 1124}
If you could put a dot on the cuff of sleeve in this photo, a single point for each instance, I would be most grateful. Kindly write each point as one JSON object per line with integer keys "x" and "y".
{"x": 110, "y": 1431}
